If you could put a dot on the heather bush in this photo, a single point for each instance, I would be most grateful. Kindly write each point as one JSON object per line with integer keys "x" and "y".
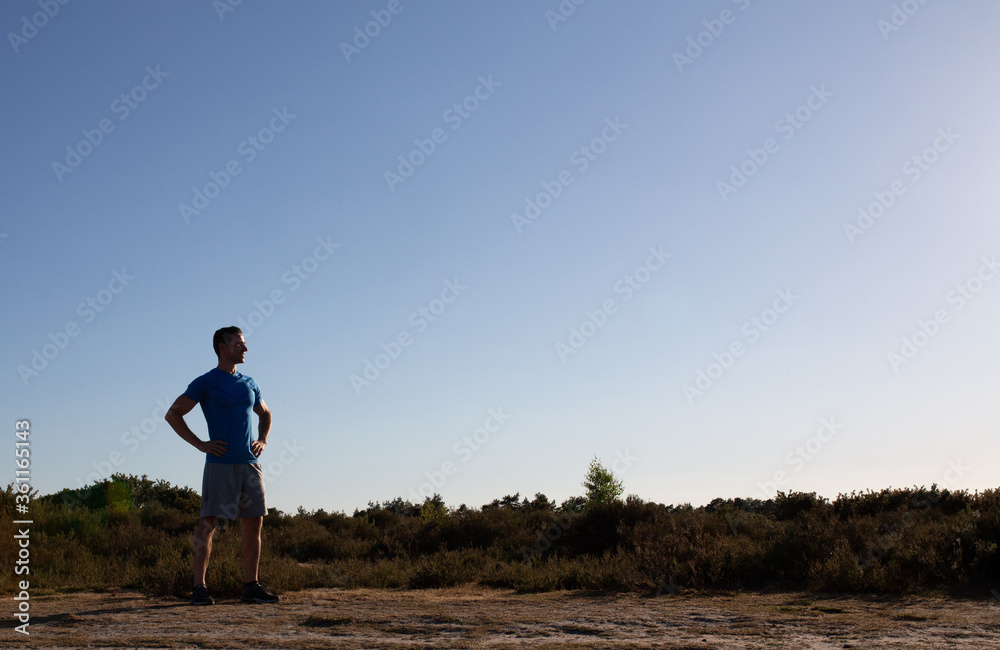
{"x": 131, "y": 532}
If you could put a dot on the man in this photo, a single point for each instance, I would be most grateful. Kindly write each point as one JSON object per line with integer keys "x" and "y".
{"x": 232, "y": 484}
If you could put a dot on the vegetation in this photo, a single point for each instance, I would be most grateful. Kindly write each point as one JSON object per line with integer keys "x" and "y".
{"x": 131, "y": 532}
{"x": 601, "y": 484}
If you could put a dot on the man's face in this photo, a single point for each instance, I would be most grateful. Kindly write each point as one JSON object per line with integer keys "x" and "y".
{"x": 236, "y": 348}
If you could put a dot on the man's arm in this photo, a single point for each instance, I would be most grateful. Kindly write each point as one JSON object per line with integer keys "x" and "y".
{"x": 263, "y": 428}
{"x": 175, "y": 418}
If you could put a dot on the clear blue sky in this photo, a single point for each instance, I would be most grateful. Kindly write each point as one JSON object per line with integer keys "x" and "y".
{"x": 591, "y": 209}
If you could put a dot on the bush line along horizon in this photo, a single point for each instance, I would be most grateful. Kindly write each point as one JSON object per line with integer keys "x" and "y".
{"x": 128, "y": 532}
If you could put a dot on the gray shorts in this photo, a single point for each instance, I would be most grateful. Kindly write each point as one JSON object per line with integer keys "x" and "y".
{"x": 231, "y": 490}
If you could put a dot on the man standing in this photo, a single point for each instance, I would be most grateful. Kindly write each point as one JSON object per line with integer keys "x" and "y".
{"x": 232, "y": 484}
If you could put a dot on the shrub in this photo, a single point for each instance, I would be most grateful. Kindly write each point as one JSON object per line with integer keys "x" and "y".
{"x": 132, "y": 532}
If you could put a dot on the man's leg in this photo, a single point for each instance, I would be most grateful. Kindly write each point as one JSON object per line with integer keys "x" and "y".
{"x": 202, "y": 548}
{"x": 251, "y": 547}
{"x": 253, "y": 507}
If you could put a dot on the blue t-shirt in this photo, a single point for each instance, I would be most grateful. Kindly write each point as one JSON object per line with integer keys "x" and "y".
{"x": 227, "y": 402}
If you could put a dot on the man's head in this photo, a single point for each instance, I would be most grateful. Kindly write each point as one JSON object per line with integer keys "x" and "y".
{"x": 229, "y": 344}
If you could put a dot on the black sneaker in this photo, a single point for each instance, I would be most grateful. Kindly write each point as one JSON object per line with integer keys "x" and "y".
{"x": 201, "y": 596}
{"x": 254, "y": 592}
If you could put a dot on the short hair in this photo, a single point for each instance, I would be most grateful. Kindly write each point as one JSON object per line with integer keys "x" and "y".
{"x": 223, "y": 336}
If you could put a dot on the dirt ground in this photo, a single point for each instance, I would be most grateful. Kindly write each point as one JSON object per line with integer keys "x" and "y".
{"x": 487, "y": 618}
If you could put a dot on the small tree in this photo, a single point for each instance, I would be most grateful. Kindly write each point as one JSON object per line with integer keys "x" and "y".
{"x": 601, "y": 484}
{"x": 433, "y": 509}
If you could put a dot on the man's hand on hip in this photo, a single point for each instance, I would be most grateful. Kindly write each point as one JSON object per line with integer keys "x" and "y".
{"x": 214, "y": 447}
{"x": 257, "y": 447}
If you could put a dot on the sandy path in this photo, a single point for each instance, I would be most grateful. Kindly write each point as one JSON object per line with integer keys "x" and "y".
{"x": 484, "y": 618}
